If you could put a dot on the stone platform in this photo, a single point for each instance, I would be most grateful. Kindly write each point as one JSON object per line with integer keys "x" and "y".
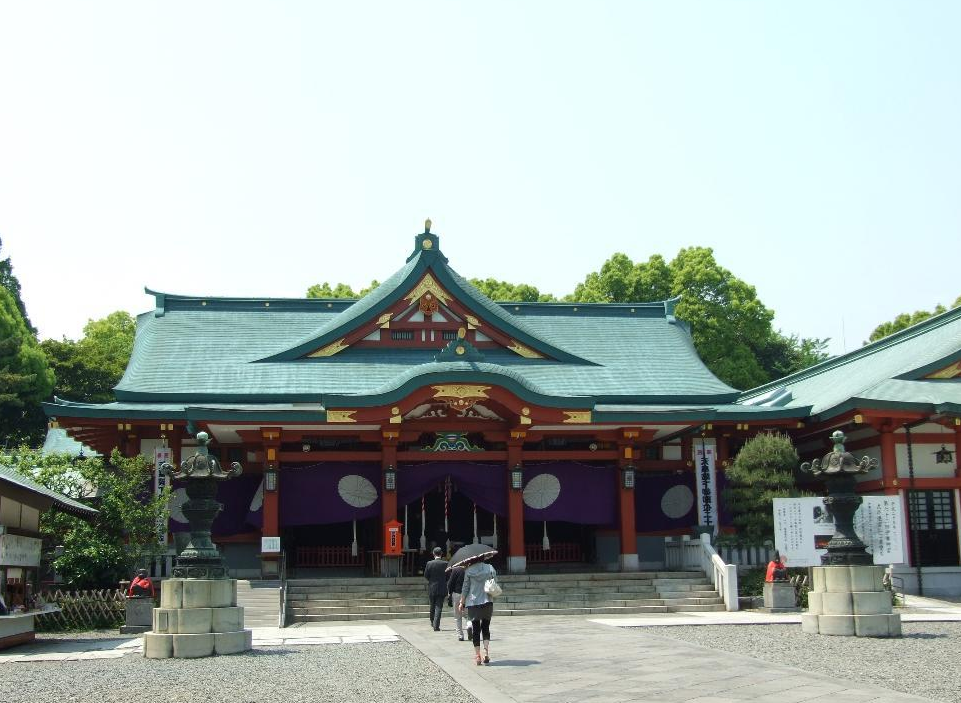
{"x": 197, "y": 618}
{"x": 852, "y": 601}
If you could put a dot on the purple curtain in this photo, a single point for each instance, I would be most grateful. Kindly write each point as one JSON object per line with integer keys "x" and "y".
{"x": 309, "y": 494}
{"x": 235, "y": 495}
{"x": 660, "y": 499}
{"x": 484, "y": 484}
{"x": 588, "y": 493}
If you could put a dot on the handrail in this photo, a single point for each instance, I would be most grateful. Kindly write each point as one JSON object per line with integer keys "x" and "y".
{"x": 723, "y": 576}
{"x": 282, "y": 617}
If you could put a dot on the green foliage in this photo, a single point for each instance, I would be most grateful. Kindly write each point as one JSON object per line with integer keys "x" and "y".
{"x": 762, "y": 471}
{"x": 341, "y": 290}
{"x": 25, "y": 377}
{"x": 123, "y": 536}
{"x": 88, "y": 369}
{"x": 505, "y": 292}
{"x": 905, "y": 320}
{"x": 9, "y": 282}
{"x": 731, "y": 328}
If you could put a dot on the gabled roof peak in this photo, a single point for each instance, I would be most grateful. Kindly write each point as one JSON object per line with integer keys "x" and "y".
{"x": 427, "y": 243}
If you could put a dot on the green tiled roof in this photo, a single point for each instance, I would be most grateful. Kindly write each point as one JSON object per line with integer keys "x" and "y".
{"x": 60, "y": 501}
{"x": 199, "y": 351}
{"x": 885, "y": 373}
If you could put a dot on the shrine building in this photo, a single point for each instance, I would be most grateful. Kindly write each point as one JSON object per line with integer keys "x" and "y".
{"x": 559, "y": 432}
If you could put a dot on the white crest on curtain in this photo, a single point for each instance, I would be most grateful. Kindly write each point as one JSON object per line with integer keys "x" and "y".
{"x": 677, "y": 501}
{"x": 257, "y": 502}
{"x": 541, "y": 491}
{"x": 356, "y": 491}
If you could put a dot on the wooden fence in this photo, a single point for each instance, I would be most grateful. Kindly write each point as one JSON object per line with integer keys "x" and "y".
{"x": 82, "y": 610}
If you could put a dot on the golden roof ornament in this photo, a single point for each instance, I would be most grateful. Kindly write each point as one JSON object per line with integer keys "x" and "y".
{"x": 427, "y": 226}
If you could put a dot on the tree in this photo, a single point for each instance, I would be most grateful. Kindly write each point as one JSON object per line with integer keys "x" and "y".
{"x": 25, "y": 377}
{"x": 762, "y": 471}
{"x": 123, "y": 536}
{"x": 341, "y": 290}
{"x": 87, "y": 370}
{"x": 905, "y": 320}
{"x": 731, "y": 328}
{"x": 502, "y": 291}
{"x": 12, "y": 285}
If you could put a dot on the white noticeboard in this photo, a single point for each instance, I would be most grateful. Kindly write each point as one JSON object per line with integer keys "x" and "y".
{"x": 269, "y": 545}
{"x": 802, "y": 529}
{"x": 16, "y": 550}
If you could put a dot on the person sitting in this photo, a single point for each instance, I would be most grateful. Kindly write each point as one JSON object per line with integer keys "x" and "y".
{"x": 141, "y": 586}
{"x": 777, "y": 569}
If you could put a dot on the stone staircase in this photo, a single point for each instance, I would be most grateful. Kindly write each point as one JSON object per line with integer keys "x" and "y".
{"x": 320, "y": 600}
{"x": 261, "y": 602}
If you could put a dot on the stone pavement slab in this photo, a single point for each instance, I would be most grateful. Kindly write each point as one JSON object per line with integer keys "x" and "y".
{"x": 551, "y": 659}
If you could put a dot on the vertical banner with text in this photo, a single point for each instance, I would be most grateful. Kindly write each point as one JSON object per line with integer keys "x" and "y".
{"x": 705, "y": 454}
{"x": 161, "y": 456}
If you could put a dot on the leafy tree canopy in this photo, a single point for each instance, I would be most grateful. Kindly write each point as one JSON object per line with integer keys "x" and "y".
{"x": 341, "y": 290}
{"x": 905, "y": 320}
{"x": 88, "y": 369}
{"x": 732, "y": 329}
{"x": 12, "y": 285}
{"x": 123, "y": 537}
{"x": 502, "y": 291}
{"x": 25, "y": 377}
{"x": 762, "y": 471}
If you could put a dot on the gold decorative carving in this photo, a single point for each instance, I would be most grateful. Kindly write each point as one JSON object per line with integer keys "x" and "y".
{"x": 526, "y": 352}
{"x": 577, "y": 417}
{"x": 472, "y": 322}
{"x": 427, "y": 244}
{"x": 330, "y": 349}
{"x": 384, "y": 320}
{"x": 460, "y": 397}
{"x": 396, "y": 419}
{"x": 343, "y": 416}
{"x": 952, "y": 371}
{"x": 427, "y": 285}
{"x": 429, "y": 304}
{"x": 459, "y": 351}
{"x": 525, "y": 420}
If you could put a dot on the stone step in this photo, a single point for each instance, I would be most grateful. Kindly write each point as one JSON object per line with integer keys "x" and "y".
{"x": 631, "y": 610}
{"x": 311, "y": 592}
{"x": 349, "y": 600}
{"x": 509, "y": 578}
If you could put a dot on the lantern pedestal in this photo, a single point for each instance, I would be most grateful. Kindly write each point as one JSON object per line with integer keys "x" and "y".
{"x": 517, "y": 565}
{"x": 851, "y": 601}
{"x": 197, "y": 618}
{"x": 629, "y": 562}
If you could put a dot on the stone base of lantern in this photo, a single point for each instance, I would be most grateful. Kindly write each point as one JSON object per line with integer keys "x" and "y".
{"x": 197, "y": 618}
{"x": 851, "y": 601}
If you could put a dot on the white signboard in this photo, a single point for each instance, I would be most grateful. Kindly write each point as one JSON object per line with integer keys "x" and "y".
{"x": 802, "y": 529}
{"x": 705, "y": 454}
{"x": 19, "y": 551}
{"x": 269, "y": 545}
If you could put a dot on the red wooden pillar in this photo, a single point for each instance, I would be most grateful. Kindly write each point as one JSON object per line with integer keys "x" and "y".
{"x": 271, "y": 512}
{"x": 957, "y": 449}
{"x": 388, "y": 499}
{"x": 889, "y": 461}
{"x": 516, "y": 554}
{"x": 628, "y": 530}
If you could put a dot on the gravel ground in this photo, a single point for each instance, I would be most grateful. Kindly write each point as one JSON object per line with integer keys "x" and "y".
{"x": 926, "y": 661}
{"x": 386, "y": 671}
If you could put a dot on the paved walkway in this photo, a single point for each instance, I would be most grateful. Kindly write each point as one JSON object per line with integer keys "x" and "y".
{"x": 557, "y": 659}
{"x": 67, "y": 649}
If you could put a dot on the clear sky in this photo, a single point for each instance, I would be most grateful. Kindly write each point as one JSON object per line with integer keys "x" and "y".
{"x": 252, "y": 149}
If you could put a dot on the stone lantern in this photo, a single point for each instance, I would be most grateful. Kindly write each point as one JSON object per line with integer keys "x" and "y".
{"x": 198, "y": 614}
{"x": 847, "y": 596}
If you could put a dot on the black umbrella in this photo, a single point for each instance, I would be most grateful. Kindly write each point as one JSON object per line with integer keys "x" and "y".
{"x": 471, "y": 554}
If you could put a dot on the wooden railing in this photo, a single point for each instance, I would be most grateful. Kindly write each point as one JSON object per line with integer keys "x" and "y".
{"x": 322, "y": 557}
{"x": 559, "y": 552}
{"x": 82, "y": 610}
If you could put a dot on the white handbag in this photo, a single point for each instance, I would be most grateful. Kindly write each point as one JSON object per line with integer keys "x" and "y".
{"x": 492, "y": 588}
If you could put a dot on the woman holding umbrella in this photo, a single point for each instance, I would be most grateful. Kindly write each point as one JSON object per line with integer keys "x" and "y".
{"x": 474, "y": 595}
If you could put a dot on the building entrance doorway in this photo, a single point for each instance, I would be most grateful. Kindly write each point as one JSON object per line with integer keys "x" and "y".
{"x": 935, "y": 525}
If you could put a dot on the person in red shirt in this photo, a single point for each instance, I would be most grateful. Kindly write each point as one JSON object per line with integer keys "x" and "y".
{"x": 141, "y": 586}
{"x": 776, "y": 569}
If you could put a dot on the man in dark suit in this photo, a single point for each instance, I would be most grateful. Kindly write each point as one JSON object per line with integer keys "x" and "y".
{"x": 435, "y": 573}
